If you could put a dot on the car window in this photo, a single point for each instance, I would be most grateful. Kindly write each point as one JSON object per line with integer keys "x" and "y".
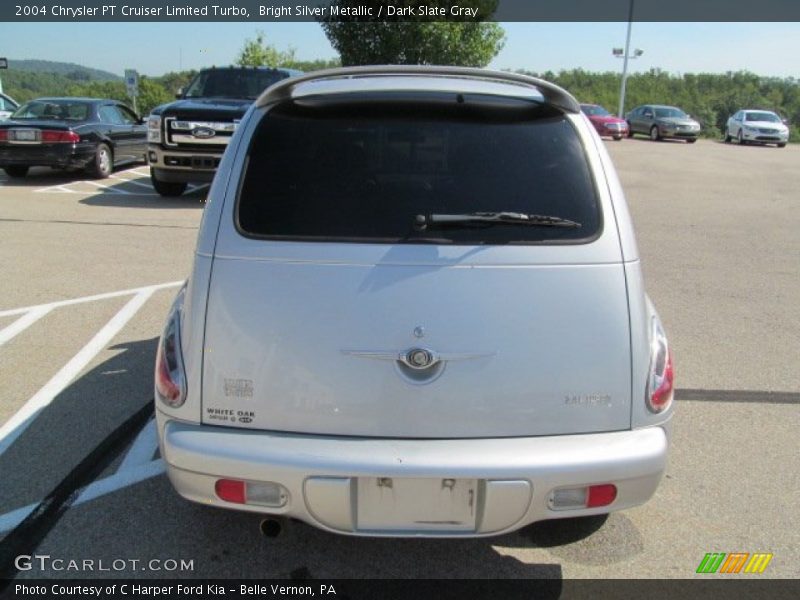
{"x": 53, "y": 110}
{"x": 128, "y": 117}
{"x": 365, "y": 173}
{"x": 110, "y": 114}
{"x": 594, "y": 111}
{"x": 232, "y": 83}
{"x": 762, "y": 116}
{"x": 647, "y": 112}
{"x": 670, "y": 113}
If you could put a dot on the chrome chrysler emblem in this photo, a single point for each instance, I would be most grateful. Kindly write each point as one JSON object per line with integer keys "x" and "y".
{"x": 203, "y": 132}
{"x": 419, "y": 358}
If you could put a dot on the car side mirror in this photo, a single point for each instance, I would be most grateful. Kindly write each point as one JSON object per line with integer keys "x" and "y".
{"x": 179, "y": 93}
{"x": 785, "y": 122}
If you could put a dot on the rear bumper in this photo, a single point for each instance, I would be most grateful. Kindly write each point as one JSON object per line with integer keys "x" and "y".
{"x": 515, "y": 476}
{"x": 49, "y": 155}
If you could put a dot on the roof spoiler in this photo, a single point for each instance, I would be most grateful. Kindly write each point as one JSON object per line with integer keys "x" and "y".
{"x": 552, "y": 94}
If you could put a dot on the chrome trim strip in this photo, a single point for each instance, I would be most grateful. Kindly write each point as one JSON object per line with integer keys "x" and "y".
{"x": 215, "y": 125}
{"x": 179, "y": 139}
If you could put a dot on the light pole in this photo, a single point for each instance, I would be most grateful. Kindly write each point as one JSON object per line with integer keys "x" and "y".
{"x": 625, "y": 55}
{"x": 3, "y": 65}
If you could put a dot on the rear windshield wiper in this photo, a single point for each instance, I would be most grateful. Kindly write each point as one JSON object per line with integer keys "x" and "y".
{"x": 422, "y": 222}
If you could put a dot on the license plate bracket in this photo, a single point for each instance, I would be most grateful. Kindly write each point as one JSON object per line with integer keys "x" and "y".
{"x": 417, "y": 504}
{"x": 24, "y": 135}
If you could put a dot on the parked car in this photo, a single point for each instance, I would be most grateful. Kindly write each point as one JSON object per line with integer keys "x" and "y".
{"x": 7, "y": 106}
{"x": 758, "y": 127}
{"x": 604, "y": 122}
{"x": 659, "y": 122}
{"x": 71, "y": 133}
{"x": 426, "y": 313}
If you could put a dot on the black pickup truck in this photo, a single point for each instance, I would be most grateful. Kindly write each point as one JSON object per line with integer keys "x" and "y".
{"x": 186, "y": 138}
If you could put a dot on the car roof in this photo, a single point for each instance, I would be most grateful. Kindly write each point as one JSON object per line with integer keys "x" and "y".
{"x": 73, "y": 99}
{"x": 416, "y": 78}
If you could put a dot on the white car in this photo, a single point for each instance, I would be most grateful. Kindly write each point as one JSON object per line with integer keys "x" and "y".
{"x": 416, "y": 309}
{"x": 7, "y": 106}
{"x": 758, "y": 127}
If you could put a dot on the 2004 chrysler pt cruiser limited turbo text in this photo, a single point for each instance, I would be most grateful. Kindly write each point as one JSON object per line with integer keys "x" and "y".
{"x": 416, "y": 309}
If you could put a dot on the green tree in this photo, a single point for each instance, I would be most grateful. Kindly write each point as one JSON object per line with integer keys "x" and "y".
{"x": 315, "y": 65}
{"x": 257, "y": 52}
{"x": 174, "y": 81}
{"x": 413, "y": 41}
{"x": 151, "y": 94}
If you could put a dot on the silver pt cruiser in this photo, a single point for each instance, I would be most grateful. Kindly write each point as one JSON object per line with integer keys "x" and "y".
{"x": 416, "y": 309}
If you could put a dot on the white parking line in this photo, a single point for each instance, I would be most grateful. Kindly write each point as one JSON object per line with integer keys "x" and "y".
{"x": 21, "y": 324}
{"x": 57, "y": 189}
{"x": 133, "y": 182}
{"x": 96, "y": 489}
{"x": 121, "y": 479}
{"x": 104, "y": 296}
{"x": 108, "y": 188}
{"x": 137, "y": 466}
{"x": 14, "y": 427}
{"x": 142, "y": 449}
{"x": 115, "y": 189}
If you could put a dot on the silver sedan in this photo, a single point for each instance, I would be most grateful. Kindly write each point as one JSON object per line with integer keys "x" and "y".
{"x": 758, "y": 127}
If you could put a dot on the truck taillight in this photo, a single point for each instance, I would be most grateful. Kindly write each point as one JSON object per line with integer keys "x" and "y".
{"x": 660, "y": 380}
{"x": 54, "y": 136}
{"x": 170, "y": 378}
{"x": 154, "y": 129}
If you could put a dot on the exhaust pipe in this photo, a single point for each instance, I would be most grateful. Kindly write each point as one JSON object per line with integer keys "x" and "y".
{"x": 270, "y": 527}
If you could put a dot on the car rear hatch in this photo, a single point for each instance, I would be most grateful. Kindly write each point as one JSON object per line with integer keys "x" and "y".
{"x": 332, "y": 311}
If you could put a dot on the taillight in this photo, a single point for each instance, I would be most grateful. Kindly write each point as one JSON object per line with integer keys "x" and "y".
{"x": 260, "y": 493}
{"x": 601, "y": 495}
{"x": 170, "y": 377}
{"x": 3, "y": 135}
{"x": 50, "y": 136}
{"x": 230, "y": 490}
{"x": 590, "y": 496}
{"x": 659, "y": 393}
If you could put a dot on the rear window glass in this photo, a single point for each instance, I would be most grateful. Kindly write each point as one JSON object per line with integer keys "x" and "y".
{"x": 68, "y": 110}
{"x": 365, "y": 173}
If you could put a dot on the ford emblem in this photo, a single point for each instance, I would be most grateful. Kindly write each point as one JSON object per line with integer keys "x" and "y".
{"x": 203, "y": 132}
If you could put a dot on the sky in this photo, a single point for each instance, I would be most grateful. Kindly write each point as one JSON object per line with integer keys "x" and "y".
{"x": 770, "y": 49}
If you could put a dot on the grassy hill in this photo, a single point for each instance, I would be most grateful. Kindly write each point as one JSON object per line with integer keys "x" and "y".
{"x": 27, "y": 79}
{"x": 71, "y": 71}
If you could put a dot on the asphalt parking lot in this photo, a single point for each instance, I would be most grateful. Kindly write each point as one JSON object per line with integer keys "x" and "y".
{"x": 88, "y": 269}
